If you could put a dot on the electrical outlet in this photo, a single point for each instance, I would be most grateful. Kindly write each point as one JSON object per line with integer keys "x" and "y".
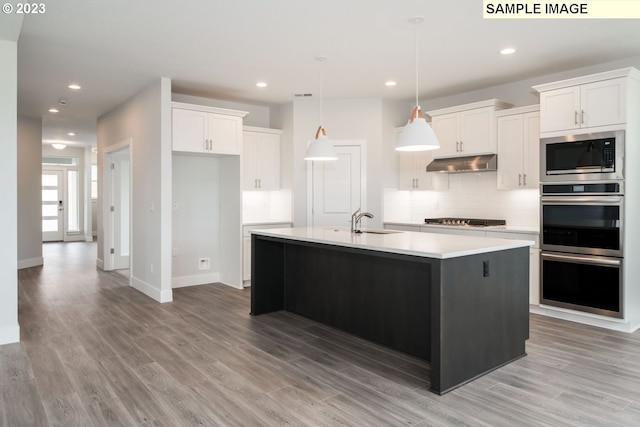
{"x": 204, "y": 263}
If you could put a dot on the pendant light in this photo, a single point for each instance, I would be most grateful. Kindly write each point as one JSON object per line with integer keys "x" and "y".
{"x": 417, "y": 135}
{"x": 320, "y": 148}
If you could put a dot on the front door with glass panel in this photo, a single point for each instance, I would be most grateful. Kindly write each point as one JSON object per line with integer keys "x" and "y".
{"x": 52, "y": 206}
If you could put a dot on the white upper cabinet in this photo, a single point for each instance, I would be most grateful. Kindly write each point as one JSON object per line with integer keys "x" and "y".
{"x": 466, "y": 130}
{"x": 518, "y": 132}
{"x": 412, "y": 171}
{"x": 260, "y": 159}
{"x": 589, "y": 105}
{"x": 199, "y": 129}
{"x": 597, "y": 100}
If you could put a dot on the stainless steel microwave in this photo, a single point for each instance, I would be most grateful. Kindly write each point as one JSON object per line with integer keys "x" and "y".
{"x": 587, "y": 157}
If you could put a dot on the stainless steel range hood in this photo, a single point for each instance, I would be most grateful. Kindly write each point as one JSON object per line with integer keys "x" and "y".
{"x": 481, "y": 163}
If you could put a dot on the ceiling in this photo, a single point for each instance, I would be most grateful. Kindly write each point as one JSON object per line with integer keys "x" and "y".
{"x": 221, "y": 48}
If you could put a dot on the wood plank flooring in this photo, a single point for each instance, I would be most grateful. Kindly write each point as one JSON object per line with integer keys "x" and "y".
{"x": 95, "y": 352}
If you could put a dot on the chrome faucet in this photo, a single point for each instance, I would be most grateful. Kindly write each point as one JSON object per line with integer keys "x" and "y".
{"x": 355, "y": 220}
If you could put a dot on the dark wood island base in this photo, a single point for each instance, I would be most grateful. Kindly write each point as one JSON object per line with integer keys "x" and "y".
{"x": 466, "y": 315}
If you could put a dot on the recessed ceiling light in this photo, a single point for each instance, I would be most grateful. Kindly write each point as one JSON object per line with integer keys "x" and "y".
{"x": 507, "y": 51}
{"x": 390, "y": 83}
{"x": 261, "y": 84}
{"x": 71, "y": 134}
{"x": 54, "y": 110}
{"x": 59, "y": 146}
{"x": 74, "y": 86}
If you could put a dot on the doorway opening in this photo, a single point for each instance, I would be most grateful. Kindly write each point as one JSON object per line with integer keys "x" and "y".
{"x": 61, "y": 199}
{"x": 116, "y": 209}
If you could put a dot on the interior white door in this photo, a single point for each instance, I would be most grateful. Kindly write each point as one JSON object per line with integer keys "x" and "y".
{"x": 52, "y": 205}
{"x": 120, "y": 208}
{"x": 338, "y": 187}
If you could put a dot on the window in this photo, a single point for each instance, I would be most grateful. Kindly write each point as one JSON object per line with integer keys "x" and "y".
{"x": 73, "y": 211}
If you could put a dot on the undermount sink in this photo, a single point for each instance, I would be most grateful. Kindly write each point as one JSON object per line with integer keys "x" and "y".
{"x": 376, "y": 231}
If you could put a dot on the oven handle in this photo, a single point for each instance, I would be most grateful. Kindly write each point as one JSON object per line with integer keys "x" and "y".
{"x": 607, "y": 200}
{"x": 583, "y": 259}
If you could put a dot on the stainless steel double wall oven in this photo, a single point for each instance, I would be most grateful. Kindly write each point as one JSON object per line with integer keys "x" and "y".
{"x": 582, "y": 222}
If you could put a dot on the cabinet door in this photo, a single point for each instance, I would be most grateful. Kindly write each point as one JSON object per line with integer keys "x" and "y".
{"x": 267, "y": 160}
{"x": 476, "y": 132}
{"x": 249, "y": 174}
{"x": 559, "y": 109}
{"x": 531, "y": 150}
{"x": 225, "y": 133}
{"x": 603, "y": 103}
{"x": 406, "y": 172}
{"x": 189, "y": 130}
{"x": 446, "y": 129}
{"x": 246, "y": 258}
{"x": 510, "y": 151}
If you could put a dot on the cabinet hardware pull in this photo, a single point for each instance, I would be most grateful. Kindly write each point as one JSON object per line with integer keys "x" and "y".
{"x": 417, "y": 182}
{"x": 457, "y": 146}
{"x": 461, "y": 146}
{"x": 575, "y": 119}
{"x": 519, "y": 180}
{"x": 524, "y": 179}
{"x": 259, "y": 183}
{"x": 582, "y": 117}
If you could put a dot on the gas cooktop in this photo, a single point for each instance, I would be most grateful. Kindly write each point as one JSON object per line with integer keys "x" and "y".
{"x": 471, "y": 222}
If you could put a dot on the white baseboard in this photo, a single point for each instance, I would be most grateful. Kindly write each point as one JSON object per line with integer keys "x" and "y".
{"x": 586, "y": 318}
{"x": 100, "y": 263}
{"x": 31, "y": 262}
{"x": 194, "y": 280}
{"x": 152, "y": 292}
{"x": 10, "y": 334}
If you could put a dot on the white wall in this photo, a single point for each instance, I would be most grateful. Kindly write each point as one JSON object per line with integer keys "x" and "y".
{"x": 145, "y": 120}
{"x": 196, "y": 218}
{"x": 29, "y": 191}
{"x": 9, "y": 328}
{"x": 343, "y": 119}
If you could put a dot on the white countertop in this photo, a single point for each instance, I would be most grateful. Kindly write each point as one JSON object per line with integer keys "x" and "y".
{"x": 506, "y": 228}
{"x": 428, "y": 245}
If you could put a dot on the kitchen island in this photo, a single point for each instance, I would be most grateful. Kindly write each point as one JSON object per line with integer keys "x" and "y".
{"x": 459, "y": 302}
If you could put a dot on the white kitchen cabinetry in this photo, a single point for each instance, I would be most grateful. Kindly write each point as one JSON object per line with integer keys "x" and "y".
{"x": 466, "y": 130}
{"x": 208, "y": 130}
{"x": 260, "y": 159}
{"x": 401, "y": 227}
{"x": 586, "y": 102}
{"x": 412, "y": 171}
{"x": 518, "y": 132}
{"x": 246, "y": 246}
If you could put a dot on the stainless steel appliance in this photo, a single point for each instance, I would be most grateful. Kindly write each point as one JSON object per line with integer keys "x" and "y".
{"x": 582, "y": 251}
{"x": 588, "y": 157}
{"x": 469, "y": 222}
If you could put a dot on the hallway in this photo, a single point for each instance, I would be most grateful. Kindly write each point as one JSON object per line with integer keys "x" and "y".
{"x": 95, "y": 352}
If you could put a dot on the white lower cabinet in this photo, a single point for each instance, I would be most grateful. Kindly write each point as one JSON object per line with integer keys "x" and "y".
{"x": 246, "y": 246}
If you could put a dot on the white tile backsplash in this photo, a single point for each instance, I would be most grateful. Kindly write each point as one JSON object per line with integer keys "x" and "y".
{"x": 266, "y": 206}
{"x": 470, "y": 195}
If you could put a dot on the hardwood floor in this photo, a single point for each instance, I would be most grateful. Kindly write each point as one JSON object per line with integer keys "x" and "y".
{"x": 95, "y": 352}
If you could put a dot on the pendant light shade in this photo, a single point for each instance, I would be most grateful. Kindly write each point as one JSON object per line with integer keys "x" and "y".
{"x": 417, "y": 135}
{"x": 320, "y": 149}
